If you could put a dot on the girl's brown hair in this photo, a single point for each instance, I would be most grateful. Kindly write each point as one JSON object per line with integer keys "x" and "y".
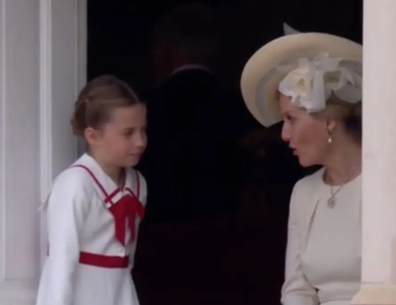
{"x": 96, "y": 101}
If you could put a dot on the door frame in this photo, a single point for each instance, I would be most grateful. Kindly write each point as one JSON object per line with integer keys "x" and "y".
{"x": 63, "y": 71}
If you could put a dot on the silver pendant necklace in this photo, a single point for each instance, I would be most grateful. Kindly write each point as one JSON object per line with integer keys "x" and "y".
{"x": 332, "y": 201}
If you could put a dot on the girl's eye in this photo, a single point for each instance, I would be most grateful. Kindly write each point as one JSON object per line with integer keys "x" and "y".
{"x": 128, "y": 134}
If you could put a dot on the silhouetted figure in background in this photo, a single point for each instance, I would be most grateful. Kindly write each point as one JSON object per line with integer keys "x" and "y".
{"x": 191, "y": 168}
{"x": 190, "y": 163}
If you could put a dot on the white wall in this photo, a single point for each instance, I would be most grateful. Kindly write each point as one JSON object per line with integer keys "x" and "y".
{"x": 379, "y": 151}
{"x": 42, "y": 66}
{"x": 19, "y": 150}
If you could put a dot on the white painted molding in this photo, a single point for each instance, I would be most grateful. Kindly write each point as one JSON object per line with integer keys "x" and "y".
{"x": 3, "y": 159}
{"x": 63, "y": 72}
{"x": 18, "y": 293}
{"x": 19, "y": 151}
{"x": 45, "y": 97}
{"x": 379, "y": 148}
{"x": 45, "y": 115}
{"x": 63, "y": 58}
{"x": 82, "y": 32}
{"x": 36, "y": 141}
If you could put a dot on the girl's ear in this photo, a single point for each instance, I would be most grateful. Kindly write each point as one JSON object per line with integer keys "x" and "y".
{"x": 91, "y": 136}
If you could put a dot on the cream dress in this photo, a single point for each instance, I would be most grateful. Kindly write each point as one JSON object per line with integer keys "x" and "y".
{"x": 81, "y": 221}
{"x": 323, "y": 259}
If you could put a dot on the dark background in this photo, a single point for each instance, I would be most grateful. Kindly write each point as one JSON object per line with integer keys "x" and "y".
{"x": 119, "y": 31}
{"x": 240, "y": 257}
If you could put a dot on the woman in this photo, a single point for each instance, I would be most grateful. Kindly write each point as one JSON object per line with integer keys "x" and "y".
{"x": 313, "y": 83}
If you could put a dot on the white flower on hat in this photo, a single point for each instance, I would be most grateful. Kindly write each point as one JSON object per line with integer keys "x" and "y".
{"x": 313, "y": 81}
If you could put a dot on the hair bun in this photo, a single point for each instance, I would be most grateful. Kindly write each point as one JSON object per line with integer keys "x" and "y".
{"x": 78, "y": 117}
{"x": 96, "y": 99}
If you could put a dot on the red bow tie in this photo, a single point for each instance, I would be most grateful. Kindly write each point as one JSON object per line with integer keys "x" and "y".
{"x": 126, "y": 209}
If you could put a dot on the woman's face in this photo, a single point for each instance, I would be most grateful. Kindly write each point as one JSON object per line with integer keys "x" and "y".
{"x": 307, "y": 136}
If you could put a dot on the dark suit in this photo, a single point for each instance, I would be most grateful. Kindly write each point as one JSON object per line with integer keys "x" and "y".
{"x": 190, "y": 163}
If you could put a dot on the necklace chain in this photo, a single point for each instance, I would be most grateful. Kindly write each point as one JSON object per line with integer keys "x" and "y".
{"x": 332, "y": 201}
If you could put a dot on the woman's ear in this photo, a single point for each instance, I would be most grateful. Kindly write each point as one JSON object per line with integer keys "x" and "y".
{"x": 330, "y": 126}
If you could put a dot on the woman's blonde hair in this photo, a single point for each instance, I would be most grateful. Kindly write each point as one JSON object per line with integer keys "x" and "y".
{"x": 349, "y": 114}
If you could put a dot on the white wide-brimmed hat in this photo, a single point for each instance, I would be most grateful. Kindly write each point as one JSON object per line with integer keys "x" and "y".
{"x": 262, "y": 73}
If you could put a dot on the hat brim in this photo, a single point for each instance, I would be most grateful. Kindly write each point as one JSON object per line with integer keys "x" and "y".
{"x": 260, "y": 79}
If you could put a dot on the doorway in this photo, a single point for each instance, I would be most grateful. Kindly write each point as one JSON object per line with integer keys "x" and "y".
{"x": 119, "y": 43}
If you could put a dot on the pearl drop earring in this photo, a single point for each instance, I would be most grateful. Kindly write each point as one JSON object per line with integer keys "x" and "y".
{"x": 329, "y": 137}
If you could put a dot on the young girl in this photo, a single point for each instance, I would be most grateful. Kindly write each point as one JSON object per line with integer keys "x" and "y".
{"x": 95, "y": 206}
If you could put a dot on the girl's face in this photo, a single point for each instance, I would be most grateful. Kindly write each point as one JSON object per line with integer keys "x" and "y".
{"x": 122, "y": 141}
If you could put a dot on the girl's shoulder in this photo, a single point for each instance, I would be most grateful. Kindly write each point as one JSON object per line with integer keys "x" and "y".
{"x": 72, "y": 181}
{"x": 74, "y": 177}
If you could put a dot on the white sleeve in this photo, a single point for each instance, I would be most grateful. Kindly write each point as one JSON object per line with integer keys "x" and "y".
{"x": 66, "y": 211}
{"x": 296, "y": 289}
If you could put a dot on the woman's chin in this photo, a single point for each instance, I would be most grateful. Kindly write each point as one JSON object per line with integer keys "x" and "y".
{"x": 305, "y": 162}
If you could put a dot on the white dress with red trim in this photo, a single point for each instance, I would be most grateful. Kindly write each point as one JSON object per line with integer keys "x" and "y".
{"x": 92, "y": 231}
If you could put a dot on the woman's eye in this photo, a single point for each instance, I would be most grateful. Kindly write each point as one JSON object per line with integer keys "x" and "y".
{"x": 289, "y": 118}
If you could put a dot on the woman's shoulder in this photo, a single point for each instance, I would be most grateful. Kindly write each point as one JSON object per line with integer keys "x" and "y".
{"x": 305, "y": 192}
{"x": 311, "y": 180}
{"x": 309, "y": 184}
